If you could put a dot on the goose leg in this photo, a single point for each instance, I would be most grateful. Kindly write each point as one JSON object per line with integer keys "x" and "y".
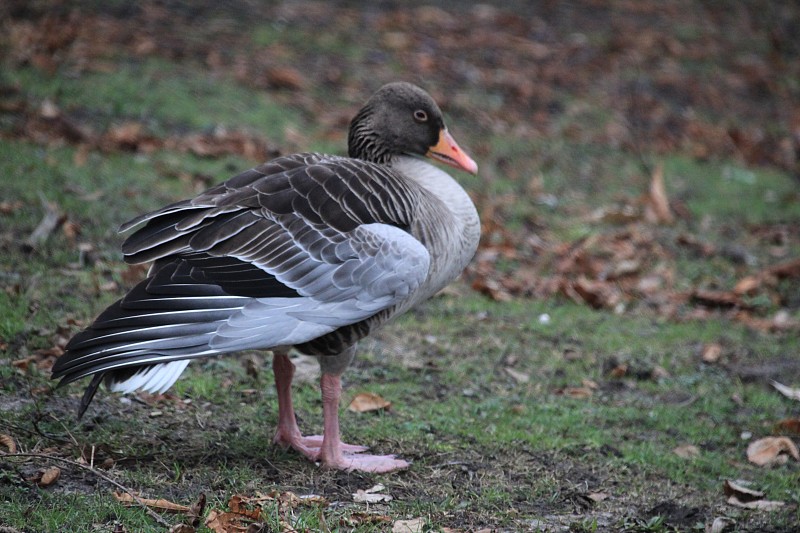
{"x": 334, "y": 453}
{"x": 327, "y": 448}
{"x": 288, "y": 433}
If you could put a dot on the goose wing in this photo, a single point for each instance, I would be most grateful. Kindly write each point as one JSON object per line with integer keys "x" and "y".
{"x": 278, "y": 255}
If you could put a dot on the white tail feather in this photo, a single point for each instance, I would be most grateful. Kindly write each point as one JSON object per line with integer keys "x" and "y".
{"x": 154, "y": 379}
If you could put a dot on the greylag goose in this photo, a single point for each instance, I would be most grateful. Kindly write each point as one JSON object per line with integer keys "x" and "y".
{"x": 307, "y": 251}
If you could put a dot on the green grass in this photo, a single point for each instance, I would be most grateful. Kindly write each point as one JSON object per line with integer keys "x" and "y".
{"x": 162, "y": 94}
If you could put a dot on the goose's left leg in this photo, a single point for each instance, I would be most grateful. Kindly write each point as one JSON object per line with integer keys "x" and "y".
{"x": 334, "y": 453}
{"x": 327, "y": 448}
{"x": 288, "y": 433}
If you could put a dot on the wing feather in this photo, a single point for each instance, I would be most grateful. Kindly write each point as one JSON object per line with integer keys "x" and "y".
{"x": 282, "y": 254}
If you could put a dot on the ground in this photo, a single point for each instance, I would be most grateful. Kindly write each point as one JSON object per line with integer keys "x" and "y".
{"x": 602, "y": 365}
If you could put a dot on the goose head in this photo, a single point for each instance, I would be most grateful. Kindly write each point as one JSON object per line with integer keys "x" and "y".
{"x": 402, "y": 119}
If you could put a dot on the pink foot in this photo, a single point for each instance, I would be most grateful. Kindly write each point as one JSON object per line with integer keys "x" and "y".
{"x": 367, "y": 463}
{"x": 309, "y": 446}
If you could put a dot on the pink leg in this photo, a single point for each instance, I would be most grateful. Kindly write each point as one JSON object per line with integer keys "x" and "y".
{"x": 288, "y": 434}
{"x": 333, "y": 453}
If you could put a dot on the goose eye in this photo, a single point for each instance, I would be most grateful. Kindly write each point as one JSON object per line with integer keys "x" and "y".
{"x": 420, "y": 115}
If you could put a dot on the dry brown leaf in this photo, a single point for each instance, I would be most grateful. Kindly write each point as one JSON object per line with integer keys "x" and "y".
{"x": 760, "y": 505}
{"x": 747, "y": 285}
{"x": 237, "y": 504}
{"x": 619, "y": 371}
{"x": 686, "y": 451}
{"x": 657, "y": 208}
{"x": 197, "y": 510}
{"x": 358, "y": 518}
{"x": 285, "y": 78}
{"x": 789, "y": 392}
{"x": 659, "y": 372}
{"x": 598, "y": 294}
{"x": 772, "y": 450}
{"x": 491, "y": 288}
{"x": 711, "y": 353}
{"x": 8, "y": 442}
{"x": 576, "y": 392}
{"x": 788, "y": 425}
{"x": 732, "y": 488}
{"x": 6, "y": 207}
{"x": 717, "y": 299}
{"x": 597, "y": 496}
{"x": 49, "y": 476}
{"x": 368, "y": 401}
{"x": 590, "y": 384}
{"x": 161, "y": 504}
{"x": 226, "y": 522}
{"x": 415, "y": 525}
{"x": 789, "y": 269}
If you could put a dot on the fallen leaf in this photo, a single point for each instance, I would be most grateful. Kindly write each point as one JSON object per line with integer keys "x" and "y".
{"x": 576, "y": 392}
{"x": 659, "y": 372}
{"x": 717, "y": 299}
{"x": 657, "y": 205}
{"x": 598, "y": 294}
{"x": 721, "y": 524}
{"x": 590, "y": 384}
{"x": 519, "y": 377}
{"x": 161, "y": 504}
{"x": 733, "y": 488}
{"x": 368, "y": 401}
{"x": 789, "y": 269}
{"x": 711, "y": 353}
{"x": 686, "y": 451}
{"x": 8, "y": 442}
{"x": 182, "y": 528}
{"x": 789, "y": 425}
{"x": 747, "y": 285}
{"x": 226, "y": 522}
{"x": 49, "y": 476}
{"x": 6, "y": 207}
{"x": 772, "y": 450}
{"x": 619, "y": 371}
{"x": 597, "y": 496}
{"x": 197, "y": 510}
{"x": 415, "y": 525}
{"x": 362, "y": 518}
{"x": 761, "y": 505}
{"x": 372, "y": 495}
{"x": 358, "y": 518}
{"x": 238, "y": 504}
{"x": 285, "y": 78}
{"x": 789, "y": 392}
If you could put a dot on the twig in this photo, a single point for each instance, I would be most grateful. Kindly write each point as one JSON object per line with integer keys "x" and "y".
{"x": 138, "y": 500}
{"x": 50, "y": 221}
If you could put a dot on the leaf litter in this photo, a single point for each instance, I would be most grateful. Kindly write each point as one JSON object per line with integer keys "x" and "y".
{"x": 772, "y": 451}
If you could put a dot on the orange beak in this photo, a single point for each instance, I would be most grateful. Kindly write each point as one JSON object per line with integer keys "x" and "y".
{"x": 448, "y": 152}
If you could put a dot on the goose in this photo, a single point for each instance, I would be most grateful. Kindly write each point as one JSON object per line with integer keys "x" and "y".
{"x": 307, "y": 251}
